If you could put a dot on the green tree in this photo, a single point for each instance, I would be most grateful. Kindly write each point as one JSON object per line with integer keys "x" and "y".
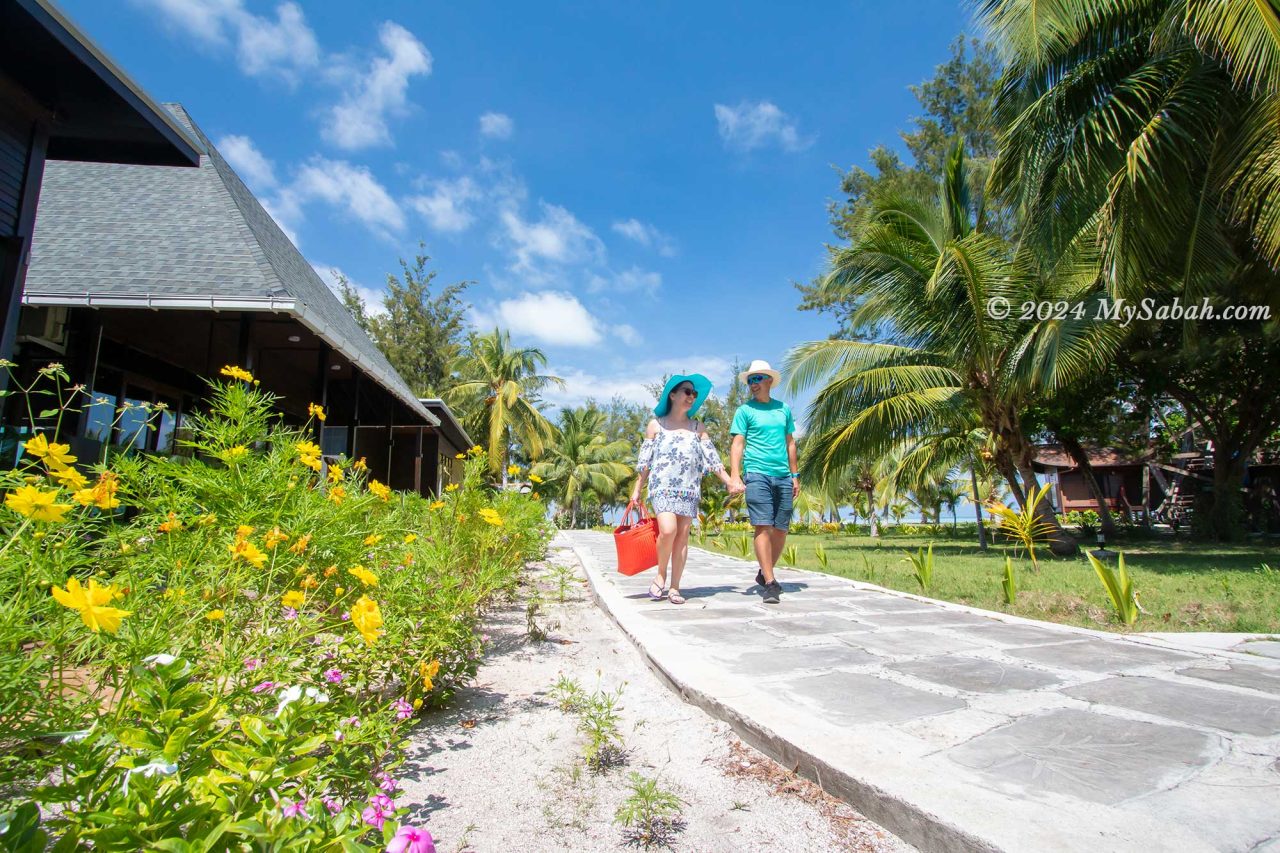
{"x": 1144, "y": 136}
{"x": 421, "y": 332}
{"x": 496, "y": 391}
{"x": 924, "y": 273}
{"x": 580, "y": 461}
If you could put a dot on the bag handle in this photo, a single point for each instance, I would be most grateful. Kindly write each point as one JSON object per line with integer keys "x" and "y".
{"x": 626, "y": 515}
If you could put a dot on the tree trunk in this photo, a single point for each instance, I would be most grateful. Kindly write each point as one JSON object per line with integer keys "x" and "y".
{"x": 573, "y": 513}
{"x": 1077, "y": 452}
{"x": 871, "y": 515}
{"x": 977, "y": 508}
{"x": 1220, "y": 516}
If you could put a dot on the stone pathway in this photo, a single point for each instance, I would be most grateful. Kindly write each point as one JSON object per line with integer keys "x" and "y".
{"x": 957, "y": 729}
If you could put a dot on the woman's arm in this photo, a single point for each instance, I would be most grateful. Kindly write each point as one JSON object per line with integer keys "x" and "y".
{"x": 644, "y": 460}
{"x": 711, "y": 460}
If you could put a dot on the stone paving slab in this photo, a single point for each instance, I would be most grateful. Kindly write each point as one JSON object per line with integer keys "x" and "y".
{"x": 963, "y": 730}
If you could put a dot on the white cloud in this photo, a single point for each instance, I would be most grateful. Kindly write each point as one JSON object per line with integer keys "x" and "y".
{"x": 447, "y": 208}
{"x": 646, "y": 235}
{"x": 371, "y": 297}
{"x": 629, "y": 280}
{"x": 341, "y": 184}
{"x": 758, "y": 125}
{"x": 627, "y": 334}
{"x": 496, "y": 125}
{"x": 550, "y": 317}
{"x": 633, "y": 383}
{"x": 360, "y": 119}
{"x": 558, "y": 237}
{"x": 248, "y": 162}
{"x": 285, "y": 46}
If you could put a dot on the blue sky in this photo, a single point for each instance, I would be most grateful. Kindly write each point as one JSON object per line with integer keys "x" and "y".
{"x": 633, "y": 187}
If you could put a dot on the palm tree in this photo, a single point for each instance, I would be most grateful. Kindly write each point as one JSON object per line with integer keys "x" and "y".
{"x": 925, "y": 279}
{"x": 1147, "y": 126}
{"x": 497, "y": 391}
{"x": 936, "y": 457}
{"x": 580, "y": 461}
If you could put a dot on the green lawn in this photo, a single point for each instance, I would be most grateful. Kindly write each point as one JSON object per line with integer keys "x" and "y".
{"x": 1182, "y": 586}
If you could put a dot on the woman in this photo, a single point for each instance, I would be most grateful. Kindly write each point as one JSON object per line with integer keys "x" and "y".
{"x": 675, "y": 455}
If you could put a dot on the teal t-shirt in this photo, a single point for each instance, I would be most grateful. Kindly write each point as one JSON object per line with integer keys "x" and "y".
{"x": 766, "y": 427}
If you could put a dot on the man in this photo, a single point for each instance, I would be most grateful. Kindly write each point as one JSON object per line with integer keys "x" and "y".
{"x": 764, "y": 445}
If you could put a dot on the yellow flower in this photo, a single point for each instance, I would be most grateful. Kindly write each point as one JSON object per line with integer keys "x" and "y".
{"x": 208, "y": 520}
{"x": 360, "y": 465}
{"x": 372, "y": 539}
{"x": 460, "y": 456}
{"x": 293, "y": 598}
{"x": 476, "y": 450}
{"x": 308, "y": 454}
{"x": 452, "y": 487}
{"x": 428, "y": 672}
{"x": 339, "y": 590}
{"x": 102, "y": 494}
{"x": 331, "y": 571}
{"x": 491, "y": 516}
{"x": 309, "y": 582}
{"x": 535, "y": 478}
{"x": 232, "y": 455}
{"x": 417, "y": 703}
{"x": 215, "y": 615}
{"x": 380, "y": 490}
{"x": 172, "y": 525}
{"x": 70, "y": 478}
{"x": 243, "y": 549}
{"x": 36, "y": 504}
{"x": 237, "y": 373}
{"x": 365, "y": 576}
{"x": 335, "y": 473}
{"x": 301, "y": 544}
{"x": 367, "y": 618}
{"x": 90, "y": 601}
{"x": 437, "y": 504}
{"x": 513, "y": 470}
{"x": 275, "y": 536}
{"x": 412, "y": 537}
{"x": 175, "y": 592}
{"x": 408, "y": 559}
{"x": 337, "y": 494}
{"x": 316, "y": 411}
{"x": 243, "y": 531}
{"x": 56, "y": 456}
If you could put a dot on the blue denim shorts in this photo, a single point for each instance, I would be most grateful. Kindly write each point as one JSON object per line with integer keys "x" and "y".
{"x": 769, "y": 500}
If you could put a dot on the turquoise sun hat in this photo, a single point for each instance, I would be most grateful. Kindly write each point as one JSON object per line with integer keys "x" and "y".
{"x": 700, "y": 383}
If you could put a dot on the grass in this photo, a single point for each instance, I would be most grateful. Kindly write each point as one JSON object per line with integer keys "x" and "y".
{"x": 1181, "y": 586}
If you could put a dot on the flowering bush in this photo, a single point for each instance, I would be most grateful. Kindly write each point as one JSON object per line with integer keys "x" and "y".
{"x": 224, "y": 651}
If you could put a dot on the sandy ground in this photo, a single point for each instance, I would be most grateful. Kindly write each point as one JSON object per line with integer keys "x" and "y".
{"x": 502, "y": 769}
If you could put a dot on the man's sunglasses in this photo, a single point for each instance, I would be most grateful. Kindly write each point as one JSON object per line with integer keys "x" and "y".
{"x": 756, "y": 378}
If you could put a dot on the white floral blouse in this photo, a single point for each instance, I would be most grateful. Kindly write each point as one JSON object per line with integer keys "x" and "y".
{"x": 677, "y": 460}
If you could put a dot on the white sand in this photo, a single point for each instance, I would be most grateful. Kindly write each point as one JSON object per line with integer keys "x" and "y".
{"x": 515, "y": 779}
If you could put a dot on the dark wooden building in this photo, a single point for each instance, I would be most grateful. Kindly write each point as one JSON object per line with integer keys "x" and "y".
{"x": 146, "y": 280}
{"x": 62, "y": 98}
{"x": 1125, "y": 481}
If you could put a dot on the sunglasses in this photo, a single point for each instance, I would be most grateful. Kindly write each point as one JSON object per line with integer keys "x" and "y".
{"x": 756, "y": 378}
{"x": 687, "y": 390}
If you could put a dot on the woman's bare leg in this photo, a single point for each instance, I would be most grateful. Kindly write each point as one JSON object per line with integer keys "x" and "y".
{"x": 680, "y": 549}
{"x": 668, "y": 522}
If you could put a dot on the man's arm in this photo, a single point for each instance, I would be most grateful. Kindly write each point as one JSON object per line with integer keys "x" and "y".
{"x": 735, "y": 456}
{"x": 793, "y": 460}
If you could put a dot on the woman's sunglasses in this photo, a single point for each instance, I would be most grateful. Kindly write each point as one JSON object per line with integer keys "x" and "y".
{"x": 756, "y": 378}
{"x": 687, "y": 391}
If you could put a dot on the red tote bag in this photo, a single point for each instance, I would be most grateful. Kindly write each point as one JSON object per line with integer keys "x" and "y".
{"x": 637, "y": 543}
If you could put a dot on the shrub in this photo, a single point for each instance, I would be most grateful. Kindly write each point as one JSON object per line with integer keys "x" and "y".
{"x": 227, "y": 648}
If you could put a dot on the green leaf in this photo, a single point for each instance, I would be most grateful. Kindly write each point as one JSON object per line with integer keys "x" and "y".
{"x": 48, "y": 413}
{"x": 299, "y": 767}
{"x": 255, "y": 728}
{"x": 229, "y": 761}
{"x": 308, "y": 745}
{"x": 176, "y": 743}
{"x": 174, "y": 845}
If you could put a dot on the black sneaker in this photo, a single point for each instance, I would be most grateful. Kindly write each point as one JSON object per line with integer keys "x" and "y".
{"x": 772, "y": 593}
{"x": 760, "y": 578}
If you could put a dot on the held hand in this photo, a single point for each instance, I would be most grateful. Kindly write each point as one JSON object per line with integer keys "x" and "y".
{"x": 737, "y": 487}
{"x": 795, "y": 489}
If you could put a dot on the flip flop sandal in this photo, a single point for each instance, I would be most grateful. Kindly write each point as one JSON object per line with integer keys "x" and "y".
{"x": 657, "y": 592}
{"x": 675, "y": 597}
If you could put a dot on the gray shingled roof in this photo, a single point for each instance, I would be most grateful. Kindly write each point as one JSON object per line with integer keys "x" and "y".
{"x": 114, "y": 235}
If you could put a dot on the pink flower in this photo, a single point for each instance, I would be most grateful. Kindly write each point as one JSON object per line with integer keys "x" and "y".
{"x": 295, "y": 809}
{"x": 403, "y": 709}
{"x": 338, "y": 736}
{"x": 354, "y": 722}
{"x": 374, "y": 816}
{"x": 333, "y": 676}
{"x": 386, "y": 783}
{"x": 331, "y": 804}
{"x": 383, "y": 802}
{"x": 289, "y": 613}
{"x": 410, "y": 839}
{"x": 251, "y": 664}
{"x": 264, "y": 687}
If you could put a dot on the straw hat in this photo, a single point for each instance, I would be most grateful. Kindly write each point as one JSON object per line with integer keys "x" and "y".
{"x": 760, "y": 366}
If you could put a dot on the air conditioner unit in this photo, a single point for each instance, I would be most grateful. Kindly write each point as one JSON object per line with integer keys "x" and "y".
{"x": 46, "y": 325}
